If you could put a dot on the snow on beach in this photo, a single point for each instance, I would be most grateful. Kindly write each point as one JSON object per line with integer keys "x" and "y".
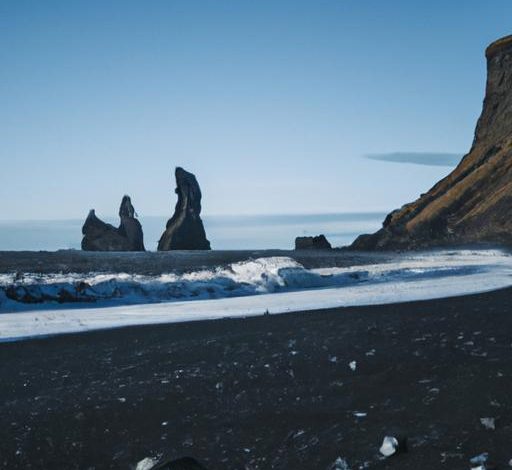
{"x": 253, "y": 287}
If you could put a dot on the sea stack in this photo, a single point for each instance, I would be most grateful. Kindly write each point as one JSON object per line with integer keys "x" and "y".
{"x": 100, "y": 236}
{"x": 185, "y": 230}
{"x": 312, "y": 243}
{"x": 473, "y": 204}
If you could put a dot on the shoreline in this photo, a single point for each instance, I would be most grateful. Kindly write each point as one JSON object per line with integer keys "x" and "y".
{"x": 108, "y": 399}
{"x": 23, "y": 326}
{"x": 268, "y": 285}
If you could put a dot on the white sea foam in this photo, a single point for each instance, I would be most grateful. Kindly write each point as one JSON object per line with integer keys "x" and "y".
{"x": 259, "y": 276}
{"x": 254, "y": 287}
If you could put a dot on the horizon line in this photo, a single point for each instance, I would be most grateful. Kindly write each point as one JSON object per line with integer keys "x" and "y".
{"x": 276, "y": 214}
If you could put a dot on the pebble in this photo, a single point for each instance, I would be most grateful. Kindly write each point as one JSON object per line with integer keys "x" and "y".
{"x": 488, "y": 423}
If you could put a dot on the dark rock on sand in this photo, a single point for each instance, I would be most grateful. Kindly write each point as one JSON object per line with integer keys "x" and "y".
{"x": 473, "y": 203}
{"x": 312, "y": 243}
{"x": 100, "y": 236}
{"x": 33, "y": 294}
{"x": 185, "y": 230}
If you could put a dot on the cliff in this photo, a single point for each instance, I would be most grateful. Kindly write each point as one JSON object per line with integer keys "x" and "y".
{"x": 473, "y": 203}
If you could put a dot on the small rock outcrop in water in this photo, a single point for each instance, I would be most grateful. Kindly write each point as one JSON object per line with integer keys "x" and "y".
{"x": 100, "y": 236}
{"x": 185, "y": 230}
{"x": 474, "y": 202}
{"x": 312, "y": 243}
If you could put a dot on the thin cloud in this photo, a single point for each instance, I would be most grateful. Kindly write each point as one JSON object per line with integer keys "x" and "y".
{"x": 418, "y": 158}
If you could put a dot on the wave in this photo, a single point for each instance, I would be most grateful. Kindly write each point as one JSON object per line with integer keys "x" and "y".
{"x": 258, "y": 276}
{"x": 256, "y": 287}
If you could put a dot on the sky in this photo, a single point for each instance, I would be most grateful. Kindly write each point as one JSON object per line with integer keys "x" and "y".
{"x": 275, "y": 106}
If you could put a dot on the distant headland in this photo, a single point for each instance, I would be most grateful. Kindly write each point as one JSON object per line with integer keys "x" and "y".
{"x": 472, "y": 204}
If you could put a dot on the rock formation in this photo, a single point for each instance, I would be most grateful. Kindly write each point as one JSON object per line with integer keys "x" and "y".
{"x": 100, "y": 236}
{"x": 312, "y": 243}
{"x": 185, "y": 230}
{"x": 473, "y": 203}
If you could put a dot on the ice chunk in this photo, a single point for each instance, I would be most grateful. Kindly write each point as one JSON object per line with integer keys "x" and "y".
{"x": 146, "y": 464}
{"x": 389, "y": 446}
{"x": 488, "y": 423}
{"x": 478, "y": 462}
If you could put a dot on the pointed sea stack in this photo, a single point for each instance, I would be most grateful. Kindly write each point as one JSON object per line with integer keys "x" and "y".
{"x": 100, "y": 236}
{"x": 473, "y": 204}
{"x": 185, "y": 230}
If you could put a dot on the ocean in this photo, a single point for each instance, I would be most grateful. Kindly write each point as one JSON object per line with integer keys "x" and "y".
{"x": 224, "y": 232}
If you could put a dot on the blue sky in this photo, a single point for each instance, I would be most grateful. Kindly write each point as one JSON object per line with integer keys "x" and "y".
{"x": 274, "y": 105}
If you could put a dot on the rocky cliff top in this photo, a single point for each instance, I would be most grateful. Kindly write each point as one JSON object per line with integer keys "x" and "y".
{"x": 498, "y": 46}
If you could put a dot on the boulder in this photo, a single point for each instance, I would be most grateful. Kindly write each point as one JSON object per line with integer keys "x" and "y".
{"x": 100, "y": 236}
{"x": 312, "y": 243}
{"x": 473, "y": 203}
{"x": 185, "y": 230}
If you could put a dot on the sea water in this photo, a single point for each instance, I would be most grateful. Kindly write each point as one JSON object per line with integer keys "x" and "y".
{"x": 229, "y": 232}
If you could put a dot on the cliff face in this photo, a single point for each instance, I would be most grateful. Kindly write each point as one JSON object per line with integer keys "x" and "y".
{"x": 474, "y": 202}
{"x": 185, "y": 230}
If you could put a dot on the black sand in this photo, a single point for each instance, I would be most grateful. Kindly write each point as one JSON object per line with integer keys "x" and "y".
{"x": 268, "y": 392}
{"x": 153, "y": 263}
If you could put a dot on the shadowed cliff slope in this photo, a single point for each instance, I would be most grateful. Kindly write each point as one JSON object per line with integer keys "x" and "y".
{"x": 473, "y": 203}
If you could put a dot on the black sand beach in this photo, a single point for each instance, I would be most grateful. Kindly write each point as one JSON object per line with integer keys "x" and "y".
{"x": 268, "y": 392}
{"x": 153, "y": 263}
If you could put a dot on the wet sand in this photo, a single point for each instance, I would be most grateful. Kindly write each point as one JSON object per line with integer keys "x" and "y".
{"x": 268, "y": 392}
